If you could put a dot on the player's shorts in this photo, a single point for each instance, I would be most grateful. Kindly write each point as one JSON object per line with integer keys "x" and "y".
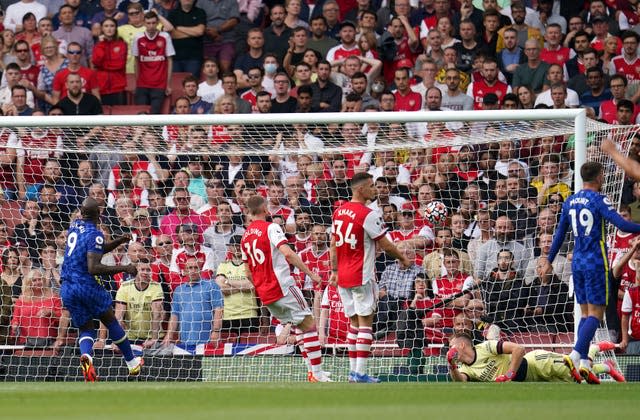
{"x": 591, "y": 286}
{"x": 291, "y": 308}
{"x": 85, "y": 302}
{"x": 546, "y": 366}
{"x": 359, "y": 300}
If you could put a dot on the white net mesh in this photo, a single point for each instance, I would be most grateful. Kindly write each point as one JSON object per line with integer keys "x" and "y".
{"x": 181, "y": 191}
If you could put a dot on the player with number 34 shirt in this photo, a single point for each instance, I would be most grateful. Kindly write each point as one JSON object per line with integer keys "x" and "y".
{"x": 356, "y": 232}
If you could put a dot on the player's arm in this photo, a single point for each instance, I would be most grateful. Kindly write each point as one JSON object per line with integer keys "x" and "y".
{"x": 295, "y": 260}
{"x": 96, "y": 268}
{"x": 390, "y": 249}
{"x": 609, "y": 212}
{"x": 627, "y": 308}
{"x": 333, "y": 258}
{"x": 111, "y": 245}
{"x": 630, "y": 166}
{"x": 517, "y": 353}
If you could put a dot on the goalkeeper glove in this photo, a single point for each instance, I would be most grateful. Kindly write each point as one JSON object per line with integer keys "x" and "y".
{"x": 452, "y": 357}
{"x": 507, "y": 377}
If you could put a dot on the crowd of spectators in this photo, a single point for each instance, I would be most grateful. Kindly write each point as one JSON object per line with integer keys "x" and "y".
{"x": 184, "y": 206}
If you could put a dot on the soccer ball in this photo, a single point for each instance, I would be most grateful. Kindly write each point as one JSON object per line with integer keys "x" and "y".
{"x": 436, "y": 213}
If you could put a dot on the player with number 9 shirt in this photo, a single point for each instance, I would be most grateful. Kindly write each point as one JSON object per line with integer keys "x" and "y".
{"x": 266, "y": 252}
{"x": 356, "y": 231}
{"x": 586, "y": 213}
{"x": 82, "y": 292}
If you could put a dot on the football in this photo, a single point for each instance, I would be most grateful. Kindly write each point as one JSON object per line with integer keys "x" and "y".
{"x": 436, "y": 213}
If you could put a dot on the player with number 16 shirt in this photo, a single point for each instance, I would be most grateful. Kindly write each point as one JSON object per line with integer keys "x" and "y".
{"x": 266, "y": 252}
{"x": 355, "y": 232}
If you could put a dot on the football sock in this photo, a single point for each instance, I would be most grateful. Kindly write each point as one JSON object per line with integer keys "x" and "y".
{"x": 314, "y": 349}
{"x": 300, "y": 344}
{"x": 585, "y": 335}
{"x": 119, "y": 338}
{"x": 352, "y": 338}
{"x": 87, "y": 337}
{"x": 575, "y": 354}
{"x": 363, "y": 349}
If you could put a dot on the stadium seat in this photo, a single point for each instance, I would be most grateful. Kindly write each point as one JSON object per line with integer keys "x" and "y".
{"x": 567, "y": 339}
{"x": 533, "y": 339}
{"x": 129, "y": 109}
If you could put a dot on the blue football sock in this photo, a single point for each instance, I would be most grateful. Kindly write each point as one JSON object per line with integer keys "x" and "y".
{"x": 585, "y": 335}
{"x": 580, "y": 325}
{"x": 119, "y": 338}
{"x": 87, "y": 337}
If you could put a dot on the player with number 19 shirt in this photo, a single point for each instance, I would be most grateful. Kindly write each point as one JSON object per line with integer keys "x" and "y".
{"x": 586, "y": 213}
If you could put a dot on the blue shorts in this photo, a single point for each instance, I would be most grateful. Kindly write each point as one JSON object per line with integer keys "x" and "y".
{"x": 85, "y": 302}
{"x": 591, "y": 286}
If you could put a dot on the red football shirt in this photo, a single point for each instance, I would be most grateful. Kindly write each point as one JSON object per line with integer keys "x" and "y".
{"x": 356, "y": 228}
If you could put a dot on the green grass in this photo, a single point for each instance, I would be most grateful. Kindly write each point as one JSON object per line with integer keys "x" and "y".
{"x": 337, "y": 401}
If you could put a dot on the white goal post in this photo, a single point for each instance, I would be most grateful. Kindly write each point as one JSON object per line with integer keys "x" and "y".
{"x": 481, "y": 131}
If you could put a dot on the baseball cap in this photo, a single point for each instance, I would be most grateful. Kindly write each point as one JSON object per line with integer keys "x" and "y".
{"x": 140, "y": 213}
{"x": 20, "y": 243}
{"x": 407, "y": 208}
{"x": 598, "y": 18}
{"x": 405, "y": 62}
{"x": 347, "y": 23}
{"x": 194, "y": 158}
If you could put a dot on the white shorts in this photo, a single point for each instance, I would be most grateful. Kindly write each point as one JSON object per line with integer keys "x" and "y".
{"x": 290, "y": 308}
{"x": 359, "y": 300}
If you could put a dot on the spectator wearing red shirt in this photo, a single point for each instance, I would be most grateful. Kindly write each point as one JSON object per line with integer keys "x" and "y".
{"x": 87, "y": 76}
{"x": 489, "y": 83}
{"x": 36, "y": 312}
{"x": 153, "y": 51}
{"x": 109, "y": 60}
{"x": 405, "y": 98}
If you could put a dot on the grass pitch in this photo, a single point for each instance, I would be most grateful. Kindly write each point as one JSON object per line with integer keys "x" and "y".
{"x": 336, "y": 401}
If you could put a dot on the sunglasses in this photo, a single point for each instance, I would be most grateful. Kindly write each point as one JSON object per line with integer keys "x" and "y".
{"x": 74, "y": 52}
{"x": 165, "y": 243}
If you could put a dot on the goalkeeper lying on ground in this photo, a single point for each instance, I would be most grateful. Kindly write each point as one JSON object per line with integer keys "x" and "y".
{"x": 503, "y": 361}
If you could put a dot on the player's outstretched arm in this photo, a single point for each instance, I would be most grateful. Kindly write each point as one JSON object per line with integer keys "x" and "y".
{"x": 390, "y": 249}
{"x": 630, "y": 166}
{"x": 96, "y": 268}
{"x": 333, "y": 257}
{"x": 609, "y": 212}
{"x": 110, "y": 246}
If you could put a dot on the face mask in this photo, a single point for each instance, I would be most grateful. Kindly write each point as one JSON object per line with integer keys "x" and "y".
{"x": 270, "y": 68}
{"x": 377, "y": 87}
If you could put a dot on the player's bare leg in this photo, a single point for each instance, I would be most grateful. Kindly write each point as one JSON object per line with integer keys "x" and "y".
{"x": 363, "y": 348}
{"x": 308, "y": 335}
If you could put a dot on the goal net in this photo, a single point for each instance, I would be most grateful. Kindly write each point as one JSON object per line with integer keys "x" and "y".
{"x": 178, "y": 185}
